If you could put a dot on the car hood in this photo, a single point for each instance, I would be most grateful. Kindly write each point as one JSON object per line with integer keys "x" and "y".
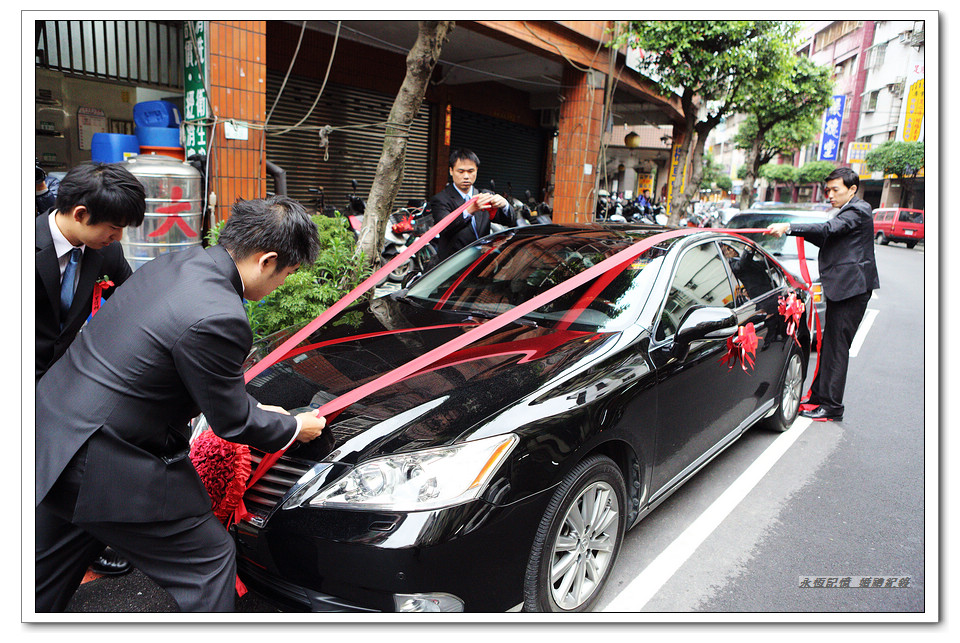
{"x": 792, "y": 263}
{"x": 430, "y": 408}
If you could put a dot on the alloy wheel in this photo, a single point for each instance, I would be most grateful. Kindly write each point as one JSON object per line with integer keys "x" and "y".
{"x": 585, "y": 546}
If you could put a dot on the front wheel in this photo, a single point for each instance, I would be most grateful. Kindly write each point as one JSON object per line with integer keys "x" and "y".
{"x": 882, "y": 239}
{"x": 788, "y": 402}
{"x": 578, "y": 540}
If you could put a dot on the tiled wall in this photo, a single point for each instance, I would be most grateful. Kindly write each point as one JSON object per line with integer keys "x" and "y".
{"x": 581, "y": 115}
{"x": 237, "y": 68}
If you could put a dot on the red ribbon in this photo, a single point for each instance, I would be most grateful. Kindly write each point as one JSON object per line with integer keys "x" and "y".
{"x": 792, "y": 310}
{"x": 98, "y": 288}
{"x": 742, "y": 347}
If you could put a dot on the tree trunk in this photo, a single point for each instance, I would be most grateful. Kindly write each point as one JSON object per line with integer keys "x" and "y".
{"x": 386, "y": 183}
{"x": 752, "y": 163}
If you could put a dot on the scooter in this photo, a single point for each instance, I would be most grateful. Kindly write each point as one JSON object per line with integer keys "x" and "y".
{"x": 404, "y": 227}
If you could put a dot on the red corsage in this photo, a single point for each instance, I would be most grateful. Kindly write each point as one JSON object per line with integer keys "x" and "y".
{"x": 103, "y": 283}
{"x": 224, "y": 468}
{"x": 742, "y": 347}
{"x": 792, "y": 310}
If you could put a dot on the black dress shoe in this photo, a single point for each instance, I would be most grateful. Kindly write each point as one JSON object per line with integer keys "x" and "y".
{"x": 110, "y": 563}
{"x": 822, "y": 414}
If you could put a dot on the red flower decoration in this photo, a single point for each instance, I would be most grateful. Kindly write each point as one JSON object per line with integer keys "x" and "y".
{"x": 224, "y": 468}
{"x": 792, "y": 310}
{"x": 742, "y": 347}
{"x": 103, "y": 283}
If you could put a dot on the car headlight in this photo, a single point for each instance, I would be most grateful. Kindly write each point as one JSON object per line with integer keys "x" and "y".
{"x": 421, "y": 480}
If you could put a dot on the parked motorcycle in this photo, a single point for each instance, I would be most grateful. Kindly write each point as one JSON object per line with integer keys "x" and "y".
{"x": 403, "y": 228}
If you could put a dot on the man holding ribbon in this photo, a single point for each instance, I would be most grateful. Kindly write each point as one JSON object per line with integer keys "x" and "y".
{"x": 848, "y": 273}
{"x": 113, "y": 467}
{"x": 475, "y": 222}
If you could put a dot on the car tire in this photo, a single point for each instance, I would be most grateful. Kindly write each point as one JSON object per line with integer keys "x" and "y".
{"x": 397, "y": 274}
{"x": 911, "y": 244}
{"x": 578, "y": 539}
{"x": 882, "y": 239}
{"x": 788, "y": 399}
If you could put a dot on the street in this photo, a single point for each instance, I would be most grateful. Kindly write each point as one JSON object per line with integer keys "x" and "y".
{"x": 822, "y": 501}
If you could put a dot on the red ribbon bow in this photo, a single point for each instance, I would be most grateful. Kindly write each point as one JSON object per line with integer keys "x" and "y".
{"x": 792, "y": 310}
{"x": 103, "y": 283}
{"x": 742, "y": 347}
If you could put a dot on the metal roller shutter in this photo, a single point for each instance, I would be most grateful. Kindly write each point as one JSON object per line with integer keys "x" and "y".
{"x": 510, "y": 154}
{"x": 353, "y": 153}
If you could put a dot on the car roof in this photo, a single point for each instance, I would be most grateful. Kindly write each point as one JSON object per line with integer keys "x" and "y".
{"x": 781, "y": 212}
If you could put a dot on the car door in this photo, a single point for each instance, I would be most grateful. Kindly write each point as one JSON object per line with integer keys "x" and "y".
{"x": 699, "y": 397}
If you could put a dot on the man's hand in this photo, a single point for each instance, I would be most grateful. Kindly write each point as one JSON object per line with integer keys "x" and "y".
{"x": 778, "y": 229}
{"x": 485, "y": 200}
{"x": 311, "y": 426}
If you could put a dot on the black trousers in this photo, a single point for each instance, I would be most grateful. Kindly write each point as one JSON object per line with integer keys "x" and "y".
{"x": 842, "y": 318}
{"x": 193, "y": 558}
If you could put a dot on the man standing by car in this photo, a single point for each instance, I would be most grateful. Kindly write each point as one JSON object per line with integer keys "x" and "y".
{"x": 475, "y": 222}
{"x": 75, "y": 247}
{"x": 848, "y": 272}
{"x": 113, "y": 465}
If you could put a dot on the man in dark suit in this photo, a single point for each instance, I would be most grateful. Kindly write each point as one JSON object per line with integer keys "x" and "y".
{"x": 848, "y": 273}
{"x": 93, "y": 205}
{"x": 113, "y": 466}
{"x": 475, "y": 222}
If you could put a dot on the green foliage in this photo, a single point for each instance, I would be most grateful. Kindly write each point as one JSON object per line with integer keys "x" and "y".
{"x": 779, "y": 173}
{"x": 712, "y": 171}
{"x": 904, "y": 159}
{"x": 312, "y": 289}
{"x": 815, "y": 172}
{"x": 725, "y": 183}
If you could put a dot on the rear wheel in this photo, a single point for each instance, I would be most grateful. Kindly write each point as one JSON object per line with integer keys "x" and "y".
{"x": 578, "y": 540}
{"x": 788, "y": 401}
{"x": 911, "y": 244}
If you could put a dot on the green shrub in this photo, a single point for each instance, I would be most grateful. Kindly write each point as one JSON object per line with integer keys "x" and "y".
{"x": 312, "y": 289}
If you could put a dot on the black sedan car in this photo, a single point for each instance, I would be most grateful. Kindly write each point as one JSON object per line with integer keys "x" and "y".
{"x": 505, "y": 475}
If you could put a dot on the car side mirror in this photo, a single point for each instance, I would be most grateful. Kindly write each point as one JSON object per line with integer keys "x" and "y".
{"x": 708, "y": 322}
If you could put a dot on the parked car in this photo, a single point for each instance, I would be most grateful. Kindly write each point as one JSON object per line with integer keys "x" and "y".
{"x": 904, "y": 225}
{"x": 506, "y": 475}
{"x": 784, "y": 248}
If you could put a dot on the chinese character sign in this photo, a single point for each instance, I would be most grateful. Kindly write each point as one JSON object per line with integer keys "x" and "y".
{"x": 194, "y": 91}
{"x": 832, "y": 126}
{"x": 914, "y": 115}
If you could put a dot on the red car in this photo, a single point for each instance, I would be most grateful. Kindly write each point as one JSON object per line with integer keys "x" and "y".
{"x": 904, "y": 225}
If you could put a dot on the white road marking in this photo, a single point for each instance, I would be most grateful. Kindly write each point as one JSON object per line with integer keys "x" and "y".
{"x": 642, "y": 588}
{"x": 862, "y": 331}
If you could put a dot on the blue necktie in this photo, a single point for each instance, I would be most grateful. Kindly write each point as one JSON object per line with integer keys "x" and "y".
{"x": 473, "y": 221}
{"x": 67, "y": 284}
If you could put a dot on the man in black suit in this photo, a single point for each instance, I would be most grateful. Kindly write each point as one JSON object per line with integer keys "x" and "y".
{"x": 93, "y": 204}
{"x": 848, "y": 273}
{"x": 475, "y": 222}
{"x": 113, "y": 466}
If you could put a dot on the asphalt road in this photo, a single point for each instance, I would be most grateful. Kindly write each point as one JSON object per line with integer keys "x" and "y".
{"x": 823, "y": 500}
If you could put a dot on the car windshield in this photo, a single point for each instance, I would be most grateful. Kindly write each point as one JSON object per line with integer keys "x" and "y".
{"x": 778, "y": 246}
{"x": 502, "y": 271}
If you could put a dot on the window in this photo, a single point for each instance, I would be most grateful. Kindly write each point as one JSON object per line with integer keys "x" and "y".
{"x": 700, "y": 280}
{"x": 749, "y": 269}
{"x": 872, "y": 98}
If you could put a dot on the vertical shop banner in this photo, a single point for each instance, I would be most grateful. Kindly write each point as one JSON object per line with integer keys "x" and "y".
{"x": 832, "y": 126}
{"x": 912, "y": 126}
{"x": 675, "y": 171}
{"x": 857, "y": 158}
{"x": 195, "y": 104}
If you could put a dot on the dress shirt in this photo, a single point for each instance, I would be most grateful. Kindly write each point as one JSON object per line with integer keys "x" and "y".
{"x": 62, "y": 246}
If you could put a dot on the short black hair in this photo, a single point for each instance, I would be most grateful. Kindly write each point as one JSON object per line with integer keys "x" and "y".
{"x": 276, "y": 224}
{"x": 109, "y": 192}
{"x": 463, "y": 154}
{"x": 850, "y": 178}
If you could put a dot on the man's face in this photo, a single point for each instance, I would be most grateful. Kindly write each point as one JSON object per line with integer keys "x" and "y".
{"x": 99, "y": 235}
{"x": 464, "y": 173}
{"x": 837, "y": 193}
{"x": 267, "y": 281}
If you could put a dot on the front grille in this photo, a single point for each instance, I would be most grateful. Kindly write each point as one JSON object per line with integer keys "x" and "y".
{"x": 262, "y": 497}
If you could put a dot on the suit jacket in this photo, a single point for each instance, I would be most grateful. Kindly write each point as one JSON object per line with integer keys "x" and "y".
{"x": 170, "y": 345}
{"x": 51, "y": 342}
{"x": 460, "y": 232}
{"x": 847, "y": 263}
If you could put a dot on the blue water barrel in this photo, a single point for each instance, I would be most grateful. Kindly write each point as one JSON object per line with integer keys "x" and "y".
{"x": 158, "y": 136}
{"x": 156, "y": 113}
{"x": 113, "y": 148}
